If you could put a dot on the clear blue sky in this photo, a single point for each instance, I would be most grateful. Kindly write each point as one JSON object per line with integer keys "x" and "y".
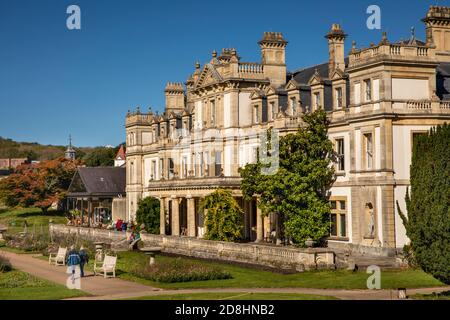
{"x": 54, "y": 81}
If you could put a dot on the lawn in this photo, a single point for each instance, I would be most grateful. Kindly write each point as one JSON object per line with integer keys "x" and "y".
{"x": 246, "y": 277}
{"x": 15, "y": 218}
{"x": 17, "y": 285}
{"x": 434, "y": 296}
{"x": 237, "y": 296}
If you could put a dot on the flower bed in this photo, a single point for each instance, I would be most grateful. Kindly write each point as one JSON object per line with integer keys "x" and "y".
{"x": 179, "y": 270}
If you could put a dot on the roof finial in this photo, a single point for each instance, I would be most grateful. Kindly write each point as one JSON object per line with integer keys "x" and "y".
{"x": 214, "y": 53}
{"x": 197, "y": 65}
{"x": 70, "y": 140}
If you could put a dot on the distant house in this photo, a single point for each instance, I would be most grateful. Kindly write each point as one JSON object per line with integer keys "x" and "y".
{"x": 12, "y": 163}
{"x": 99, "y": 194}
{"x": 120, "y": 159}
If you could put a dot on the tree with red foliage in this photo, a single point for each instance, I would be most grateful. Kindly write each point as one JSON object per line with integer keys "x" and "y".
{"x": 38, "y": 185}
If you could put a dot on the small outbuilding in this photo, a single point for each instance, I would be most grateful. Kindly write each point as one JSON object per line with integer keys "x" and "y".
{"x": 96, "y": 196}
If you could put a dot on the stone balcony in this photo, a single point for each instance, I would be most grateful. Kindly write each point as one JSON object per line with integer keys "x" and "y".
{"x": 399, "y": 107}
{"x": 194, "y": 183}
{"x": 393, "y": 52}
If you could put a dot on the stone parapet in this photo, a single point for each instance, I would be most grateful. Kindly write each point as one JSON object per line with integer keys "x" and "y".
{"x": 257, "y": 254}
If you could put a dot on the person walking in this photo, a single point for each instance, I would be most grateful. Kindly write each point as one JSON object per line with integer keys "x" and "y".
{"x": 84, "y": 259}
{"x": 73, "y": 268}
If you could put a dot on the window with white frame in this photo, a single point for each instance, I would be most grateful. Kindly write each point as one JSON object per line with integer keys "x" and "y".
{"x": 153, "y": 169}
{"x": 218, "y": 163}
{"x": 184, "y": 165}
{"x": 171, "y": 168}
{"x": 161, "y": 168}
{"x": 317, "y": 100}
{"x": 256, "y": 114}
{"x": 293, "y": 106}
{"x": 368, "y": 89}
{"x": 368, "y": 150}
{"x": 213, "y": 112}
{"x": 340, "y": 154}
{"x": 273, "y": 110}
{"x": 338, "y": 98}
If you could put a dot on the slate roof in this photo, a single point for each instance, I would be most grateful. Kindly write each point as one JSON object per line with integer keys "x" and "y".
{"x": 98, "y": 181}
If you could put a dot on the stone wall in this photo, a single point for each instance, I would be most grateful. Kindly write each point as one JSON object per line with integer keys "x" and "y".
{"x": 259, "y": 254}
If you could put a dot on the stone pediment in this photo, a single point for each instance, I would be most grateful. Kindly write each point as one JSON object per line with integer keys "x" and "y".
{"x": 208, "y": 76}
{"x": 292, "y": 85}
{"x": 315, "y": 79}
{"x": 257, "y": 94}
{"x": 270, "y": 91}
{"x": 337, "y": 74}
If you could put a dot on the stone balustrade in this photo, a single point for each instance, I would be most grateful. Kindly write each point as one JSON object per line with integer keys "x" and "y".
{"x": 257, "y": 254}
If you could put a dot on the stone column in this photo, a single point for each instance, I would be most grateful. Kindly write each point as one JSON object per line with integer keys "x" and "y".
{"x": 175, "y": 216}
{"x": 259, "y": 225}
{"x": 162, "y": 216}
{"x": 191, "y": 216}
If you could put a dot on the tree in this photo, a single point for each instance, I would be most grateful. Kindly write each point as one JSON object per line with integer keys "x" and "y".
{"x": 224, "y": 219}
{"x": 428, "y": 221}
{"x": 100, "y": 157}
{"x": 298, "y": 192}
{"x": 39, "y": 185}
{"x": 148, "y": 214}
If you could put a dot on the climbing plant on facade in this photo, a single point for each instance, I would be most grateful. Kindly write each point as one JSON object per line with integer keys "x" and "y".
{"x": 224, "y": 217}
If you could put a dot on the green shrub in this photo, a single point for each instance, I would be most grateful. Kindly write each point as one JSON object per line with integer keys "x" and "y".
{"x": 29, "y": 242}
{"x": 408, "y": 256}
{"x": 18, "y": 279}
{"x": 428, "y": 203}
{"x": 148, "y": 214}
{"x": 179, "y": 270}
{"x": 5, "y": 265}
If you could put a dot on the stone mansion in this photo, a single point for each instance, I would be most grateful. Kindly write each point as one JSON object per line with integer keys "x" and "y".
{"x": 378, "y": 99}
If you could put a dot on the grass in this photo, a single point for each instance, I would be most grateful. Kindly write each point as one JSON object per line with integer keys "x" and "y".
{"x": 17, "y": 285}
{"x": 237, "y": 296}
{"x": 434, "y": 296}
{"x": 246, "y": 277}
{"x": 15, "y": 218}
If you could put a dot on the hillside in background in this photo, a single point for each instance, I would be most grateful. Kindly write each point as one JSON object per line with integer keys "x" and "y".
{"x": 92, "y": 156}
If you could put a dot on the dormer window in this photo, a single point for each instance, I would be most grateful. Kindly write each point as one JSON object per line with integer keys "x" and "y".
{"x": 294, "y": 106}
{"x": 273, "y": 110}
{"x": 256, "y": 114}
{"x": 213, "y": 112}
{"x": 338, "y": 98}
{"x": 317, "y": 103}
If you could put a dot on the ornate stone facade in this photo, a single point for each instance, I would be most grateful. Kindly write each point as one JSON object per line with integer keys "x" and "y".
{"x": 378, "y": 98}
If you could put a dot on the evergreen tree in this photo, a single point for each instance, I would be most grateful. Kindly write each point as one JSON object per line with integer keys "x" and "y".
{"x": 428, "y": 221}
{"x": 148, "y": 213}
{"x": 224, "y": 219}
{"x": 298, "y": 191}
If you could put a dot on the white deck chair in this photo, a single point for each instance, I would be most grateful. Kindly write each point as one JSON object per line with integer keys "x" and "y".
{"x": 59, "y": 259}
{"x": 108, "y": 267}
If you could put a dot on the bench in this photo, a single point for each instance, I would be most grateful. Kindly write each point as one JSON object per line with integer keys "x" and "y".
{"x": 59, "y": 259}
{"x": 108, "y": 266}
